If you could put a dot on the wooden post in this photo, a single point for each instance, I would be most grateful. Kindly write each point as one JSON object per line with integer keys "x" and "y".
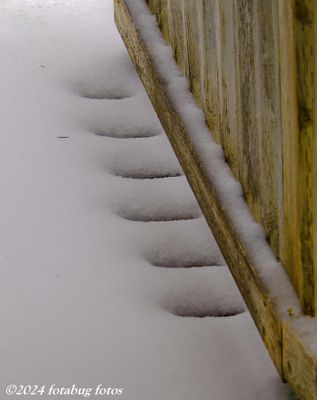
{"x": 298, "y": 52}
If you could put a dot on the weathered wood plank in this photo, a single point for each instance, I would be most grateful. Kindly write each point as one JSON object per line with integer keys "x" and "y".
{"x": 161, "y": 11}
{"x": 211, "y": 88}
{"x": 267, "y": 115}
{"x": 305, "y": 24}
{"x": 193, "y": 21}
{"x": 258, "y": 99}
{"x": 178, "y": 34}
{"x": 290, "y": 243}
{"x": 248, "y": 152}
{"x": 299, "y": 364}
{"x": 229, "y": 83}
{"x": 298, "y": 69}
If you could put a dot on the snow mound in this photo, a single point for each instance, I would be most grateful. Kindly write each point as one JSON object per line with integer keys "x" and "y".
{"x": 207, "y": 292}
{"x": 156, "y": 200}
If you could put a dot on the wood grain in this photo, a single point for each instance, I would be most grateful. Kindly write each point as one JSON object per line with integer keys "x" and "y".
{"x": 299, "y": 364}
{"x": 305, "y": 24}
{"x": 251, "y": 67}
{"x": 298, "y": 98}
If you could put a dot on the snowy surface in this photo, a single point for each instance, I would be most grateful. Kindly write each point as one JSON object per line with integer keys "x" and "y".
{"x": 99, "y": 230}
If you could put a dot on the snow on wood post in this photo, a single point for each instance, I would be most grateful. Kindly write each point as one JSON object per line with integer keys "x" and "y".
{"x": 251, "y": 66}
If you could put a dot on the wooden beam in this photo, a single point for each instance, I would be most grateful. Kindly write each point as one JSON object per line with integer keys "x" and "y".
{"x": 305, "y": 25}
{"x": 299, "y": 362}
{"x": 298, "y": 67}
{"x": 268, "y": 315}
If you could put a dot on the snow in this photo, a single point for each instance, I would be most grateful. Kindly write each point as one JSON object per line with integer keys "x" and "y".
{"x": 99, "y": 277}
{"x": 138, "y": 201}
{"x": 306, "y": 326}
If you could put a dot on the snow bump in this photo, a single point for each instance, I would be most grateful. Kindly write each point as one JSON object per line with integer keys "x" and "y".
{"x": 156, "y": 200}
{"x": 105, "y": 95}
{"x": 203, "y": 293}
{"x": 127, "y": 134}
{"x": 144, "y": 159}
